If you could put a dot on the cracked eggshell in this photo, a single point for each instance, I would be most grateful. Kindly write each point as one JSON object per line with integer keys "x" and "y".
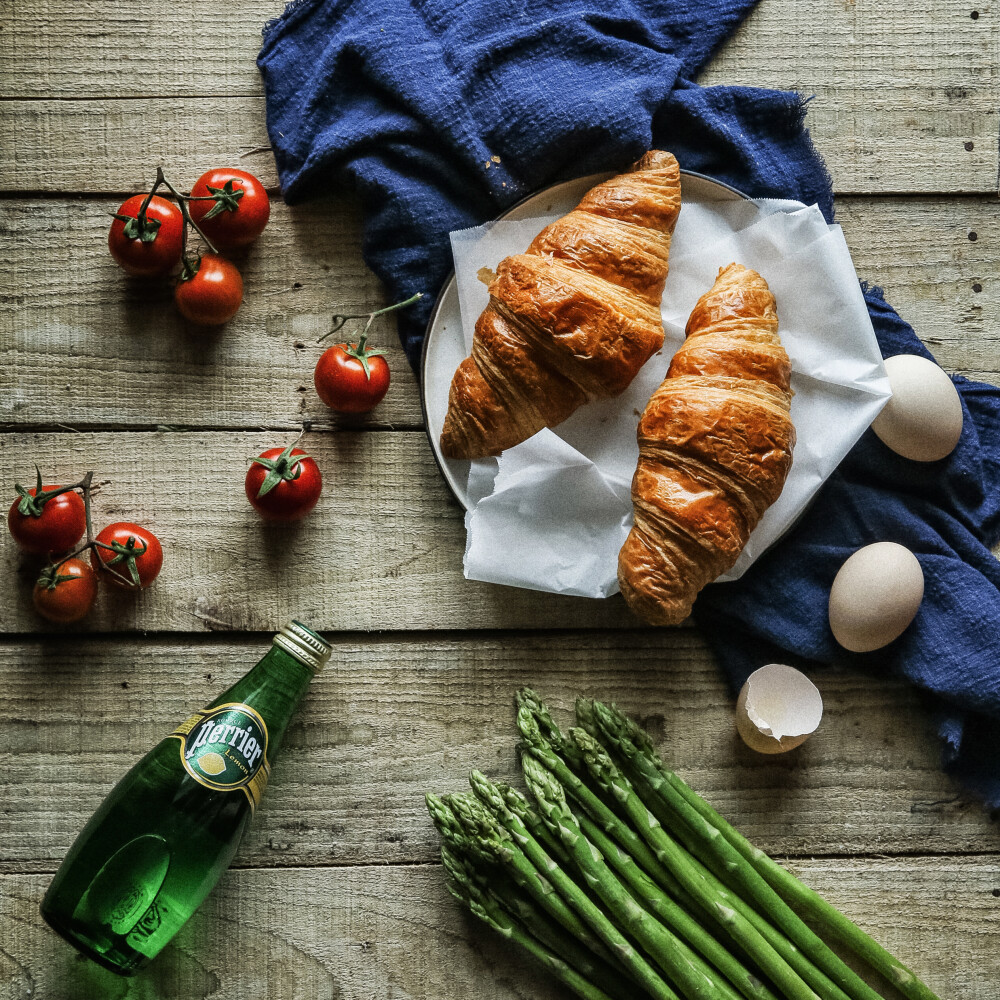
{"x": 778, "y": 709}
{"x": 923, "y": 419}
{"x": 875, "y": 595}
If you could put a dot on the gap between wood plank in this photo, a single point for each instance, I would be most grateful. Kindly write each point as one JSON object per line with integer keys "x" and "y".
{"x": 44, "y": 868}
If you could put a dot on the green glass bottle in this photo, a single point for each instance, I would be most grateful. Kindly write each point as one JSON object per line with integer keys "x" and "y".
{"x": 169, "y": 829}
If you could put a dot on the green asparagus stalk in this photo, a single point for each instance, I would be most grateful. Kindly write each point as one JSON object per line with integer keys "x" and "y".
{"x": 681, "y": 867}
{"x": 525, "y": 877}
{"x": 530, "y": 817}
{"x": 606, "y": 774}
{"x": 526, "y": 699}
{"x": 694, "y": 977}
{"x": 480, "y": 903}
{"x": 470, "y": 879}
{"x": 495, "y": 841}
{"x": 823, "y": 913}
{"x": 536, "y": 744}
{"x": 672, "y": 914}
{"x": 715, "y": 848}
{"x": 519, "y": 821}
{"x": 820, "y": 983}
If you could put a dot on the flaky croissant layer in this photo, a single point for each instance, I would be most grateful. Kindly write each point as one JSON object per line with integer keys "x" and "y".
{"x": 573, "y": 318}
{"x": 715, "y": 447}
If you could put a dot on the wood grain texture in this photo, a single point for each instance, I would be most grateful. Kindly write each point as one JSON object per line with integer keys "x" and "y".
{"x": 113, "y": 350}
{"x": 362, "y": 933}
{"x": 382, "y": 550}
{"x": 69, "y": 316}
{"x": 900, "y": 90}
{"x": 392, "y": 718}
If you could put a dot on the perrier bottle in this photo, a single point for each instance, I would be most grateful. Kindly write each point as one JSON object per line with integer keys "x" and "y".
{"x": 169, "y": 829}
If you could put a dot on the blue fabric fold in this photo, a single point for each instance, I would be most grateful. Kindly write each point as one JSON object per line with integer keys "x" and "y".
{"x": 440, "y": 114}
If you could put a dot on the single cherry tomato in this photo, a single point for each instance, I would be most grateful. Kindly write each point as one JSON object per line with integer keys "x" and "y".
{"x": 131, "y": 555}
{"x": 210, "y": 291}
{"x": 65, "y": 593}
{"x": 352, "y": 378}
{"x": 238, "y": 211}
{"x": 283, "y": 484}
{"x": 50, "y": 524}
{"x": 151, "y": 248}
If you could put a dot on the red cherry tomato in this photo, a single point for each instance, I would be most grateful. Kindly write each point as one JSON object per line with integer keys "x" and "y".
{"x": 238, "y": 212}
{"x": 352, "y": 378}
{"x": 212, "y": 294}
{"x": 151, "y": 249}
{"x": 283, "y": 484}
{"x": 61, "y": 523}
{"x": 134, "y": 554}
{"x": 65, "y": 593}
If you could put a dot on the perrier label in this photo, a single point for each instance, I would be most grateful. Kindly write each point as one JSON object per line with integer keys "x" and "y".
{"x": 225, "y": 748}
{"x": 168, "y": 830}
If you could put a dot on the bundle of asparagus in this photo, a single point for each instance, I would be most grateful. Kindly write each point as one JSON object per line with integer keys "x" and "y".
{"x": 624, "y": 883}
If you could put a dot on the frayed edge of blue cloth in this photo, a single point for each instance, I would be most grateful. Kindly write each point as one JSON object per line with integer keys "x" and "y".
{"x": 293, "y": 9}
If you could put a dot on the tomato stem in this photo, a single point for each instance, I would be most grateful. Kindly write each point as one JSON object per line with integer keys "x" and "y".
{"x": 285, "y": 467}
{"x": 182, "y": 205}
{"x": 339, "y": 319}
{"x": 141, "y": 214}
{"x": 86, "y": 486}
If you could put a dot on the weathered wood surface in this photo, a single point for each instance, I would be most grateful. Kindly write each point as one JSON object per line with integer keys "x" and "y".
{"x": 392, "y": 718}
{"x": 373, "y": 932}
{"x": 382, "y": 550}
{"x": 71, "y": 318}
{"x": 900, "y": 91}
{"x": 93, "y": 99}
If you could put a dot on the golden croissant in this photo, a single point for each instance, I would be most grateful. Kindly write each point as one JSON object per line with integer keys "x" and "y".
{"x": 572, "y": 319}
{"x": 715, "y": 446}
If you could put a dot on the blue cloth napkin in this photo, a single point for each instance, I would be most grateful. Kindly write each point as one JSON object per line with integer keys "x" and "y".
{"x": 948, "y": 514}
{"x": 441, "y": 113}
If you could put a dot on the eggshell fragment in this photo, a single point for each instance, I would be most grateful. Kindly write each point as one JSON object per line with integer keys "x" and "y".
{"x": 875, "y": 595}
{"x": 778, "y": 709}
{"x": 923, "y": 419}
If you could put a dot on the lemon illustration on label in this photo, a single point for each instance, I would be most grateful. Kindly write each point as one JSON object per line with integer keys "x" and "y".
{"x": 212, "y": 763}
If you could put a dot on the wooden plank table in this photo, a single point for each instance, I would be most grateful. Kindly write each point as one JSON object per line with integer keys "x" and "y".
{"x": 335, "y": 892}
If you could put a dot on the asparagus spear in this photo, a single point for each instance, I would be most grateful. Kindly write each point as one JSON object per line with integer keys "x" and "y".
{"x": 522, "y": 821}
{"x": 673, "y": 915}
{"x": 747, "y": 879}
{"x": 525, "y": 877}
{"x": 784, "y": 882}
{"x": 605, "y": 774}
{"x": 680, "y": 874}
{"x": 472, "y": 880}
{"x": 495, "y": 841}
{"x": 529, "y": 816}
{"x": 464, "y": 889}
{"x": 694, "y": 977}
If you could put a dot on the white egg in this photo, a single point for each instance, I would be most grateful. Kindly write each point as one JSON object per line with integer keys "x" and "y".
{"x": 875, "y": 595}
{"x": 923, "y": 419}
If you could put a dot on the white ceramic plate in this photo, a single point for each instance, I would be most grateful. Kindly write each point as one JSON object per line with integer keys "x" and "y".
{"x": 444, "y": 344}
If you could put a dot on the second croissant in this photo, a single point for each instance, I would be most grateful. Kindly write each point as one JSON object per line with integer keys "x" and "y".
{"x": 715, "y": 447}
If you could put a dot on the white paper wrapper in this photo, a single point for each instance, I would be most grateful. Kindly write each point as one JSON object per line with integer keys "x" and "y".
{"x": 552, "y": 513}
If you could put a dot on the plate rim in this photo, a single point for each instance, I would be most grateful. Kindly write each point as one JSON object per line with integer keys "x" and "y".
{"x": 450, "y": 281}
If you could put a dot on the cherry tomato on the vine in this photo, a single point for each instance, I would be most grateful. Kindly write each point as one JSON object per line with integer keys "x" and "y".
{"x": 211, "y": 294}
{"x": 238, "y": 211}
{"x": 283, "y": 484}
{"x": 60, "y": 523}
{"x": 131, "y": 553}
{"x": 148, "y": 249}
{"x": 65, "y": 593}
{"x": 352, "y": 378}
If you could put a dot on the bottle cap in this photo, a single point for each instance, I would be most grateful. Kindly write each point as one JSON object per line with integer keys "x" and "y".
{"x": 304, "y": 644}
